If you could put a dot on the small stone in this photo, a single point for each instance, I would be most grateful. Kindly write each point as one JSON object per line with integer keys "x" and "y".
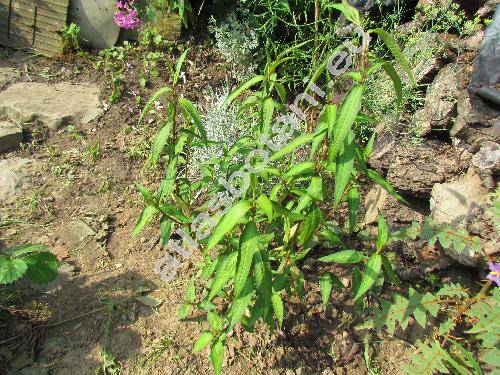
{"x": 11, "y": 136}
{"x": 13, "y": 174}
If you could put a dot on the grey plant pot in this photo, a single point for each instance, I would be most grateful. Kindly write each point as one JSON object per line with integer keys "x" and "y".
{"x": 95, "y": 18}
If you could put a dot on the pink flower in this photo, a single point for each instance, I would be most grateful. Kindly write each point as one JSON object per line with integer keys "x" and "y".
{"x": 495, "y": 273}
{"x": 127, "y": 16}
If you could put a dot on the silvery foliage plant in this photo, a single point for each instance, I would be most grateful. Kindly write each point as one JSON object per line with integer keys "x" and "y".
{"x": 237, "y": 42}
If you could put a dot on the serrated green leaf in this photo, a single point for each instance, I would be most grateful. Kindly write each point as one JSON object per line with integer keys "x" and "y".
{"x": 11, "y": 270}
{"x": 241, "y": 303}
{"x": 315, "y": 189}
{"x": 309, "y": 226}
{"x": 267, "y": 115}
{"x": 396, "y": 79}
{"x": 225, "y": 271}
{"x": 375, "y": 176}
{"x": 249, "y": 244}
{"x": 278, "y": 308}
{"x": 183, "y": 311}
{"x": 147, "y": 215}
{"x": 178, "y": 67}
{"x": 226, "y": 224}
{"x": 389, "y": 272}
{"x": 325, "y": 286}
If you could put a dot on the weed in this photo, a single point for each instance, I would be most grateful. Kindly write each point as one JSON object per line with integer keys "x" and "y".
{"x": 70, "y": 38}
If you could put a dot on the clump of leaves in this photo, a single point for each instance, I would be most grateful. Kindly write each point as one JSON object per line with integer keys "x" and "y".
{"x": 35, "y": 261}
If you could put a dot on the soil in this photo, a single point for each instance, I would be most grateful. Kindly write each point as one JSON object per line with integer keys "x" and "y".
{"x": 84, "y": 207}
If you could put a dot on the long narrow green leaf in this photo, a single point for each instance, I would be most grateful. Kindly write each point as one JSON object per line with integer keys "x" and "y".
{"x": 348, "y": 112}
{"x": 353, "y": 202}
{"x": 267, "y": 115}
{"x": 278, "y": 308}
{"x": 242, "y": 88}
{"x": 160, "y": 142}
{"x": 149, "y": 104}
{"x": 146, "y": 216}
{"x": 204, "y": 339}
{"x": 375, "y": 176}
{"x": 396, "y": 79}
{"x": 217, "y": 355}
{"x": 370, "y": 275}
{"x": 344, "y": 167}
{"x": 195, "y": 116}
{"x": 249, "y": 243}
{"x": 225, "y": 272}
{"x": 178, "y": 67}
{"x": 393, "y": 47}
{"x": 235, "y": 214}
{"x": 292, "y": 146}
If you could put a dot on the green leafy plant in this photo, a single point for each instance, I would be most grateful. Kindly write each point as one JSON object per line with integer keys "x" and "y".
{"x": 35, "y": 261}
{"x": 70, "y": 38}
{"x": 278, "y": 196}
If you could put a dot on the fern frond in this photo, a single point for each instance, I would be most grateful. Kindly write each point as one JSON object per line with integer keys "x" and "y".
{"x": 453, "y": 290}
{"x": 429, "y": 359}
{"x": 417, "y": 305}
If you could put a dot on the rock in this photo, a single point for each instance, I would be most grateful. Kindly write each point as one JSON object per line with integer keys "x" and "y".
{"x": 95, "y": 19}
{"x": 455, "y": 203}
{"x": 487, "y": 9}
{"x": 13, "y": 174}
{"x": 487, "y": 163}
{"x": 440, "y": 102}
{"x": 11, "y": 136}
{"x": 414, "y": 169}
{"x": 397, "y": 213}
{"x": 7, "y": 74}
{"x": 427, "y": 55}
{"x": 477, "y": 122}
{"x": 54, "y": 105}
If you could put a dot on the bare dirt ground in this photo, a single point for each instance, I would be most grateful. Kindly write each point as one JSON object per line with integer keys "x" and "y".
{"x": 80, "y": 200}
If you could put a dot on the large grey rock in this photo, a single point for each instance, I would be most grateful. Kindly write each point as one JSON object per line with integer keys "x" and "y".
{"x": 13, "y": 173}
{"x": 414, "y": 169}
{"x": 54, "y": 105}
{"x": 477, "y": 121}
{"x": 11, "y": 136}
{"x": 440, "y": 102}
{"x": 95, "y": 18}
{"x": 456, "y": 203}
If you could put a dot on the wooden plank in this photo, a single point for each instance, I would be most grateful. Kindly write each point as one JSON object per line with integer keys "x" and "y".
{"x": 58, "y": 22}
{"x": 47, "y": 9}
{"x": 41, "y": 23}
